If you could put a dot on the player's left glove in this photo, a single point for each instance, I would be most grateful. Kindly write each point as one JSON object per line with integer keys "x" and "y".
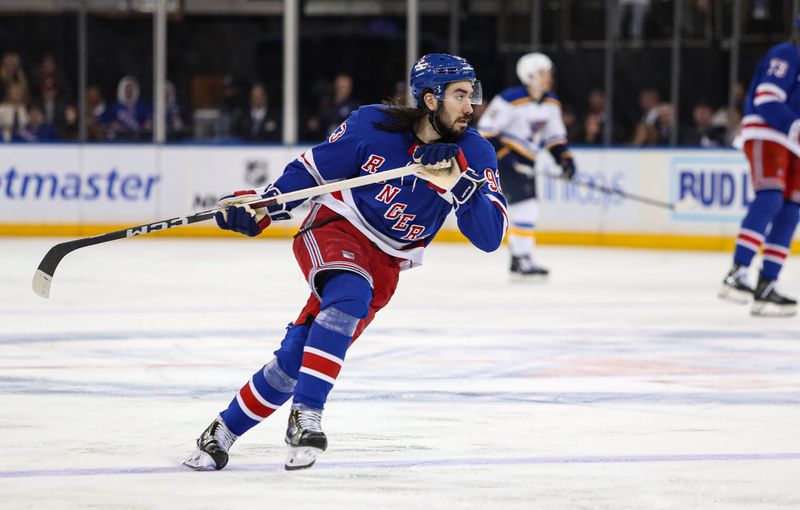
{"x": 240, "y": 217}
{"x": 445, "y": 168}
{"x": 568, "y": 168}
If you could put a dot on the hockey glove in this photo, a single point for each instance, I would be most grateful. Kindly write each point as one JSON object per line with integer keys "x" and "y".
{"x": 568, "y": 168}
{"x": 240, "y": 217}
{"x": 446, "y": 169}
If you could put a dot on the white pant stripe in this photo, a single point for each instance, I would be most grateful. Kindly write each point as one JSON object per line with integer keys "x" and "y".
{"x": 747, "y": 244}
{"x": 259, "y": 397}
{"x": 322, "y": 354}
{"x": 774, "y": 259}
{"x": 318, "y": 375}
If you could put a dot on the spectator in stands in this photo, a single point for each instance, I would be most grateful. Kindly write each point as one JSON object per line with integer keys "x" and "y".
{"x": 259, "y": 124}
{"x": 704, "y": 133}
{"x": 173, "y": 112}
{"x": 664, "y": 124}
{"x": 644, "y": 134}
{"x": 233, "y": 106}
{"x": 335, "y": 109}
{"x": 95, "y": 108}
{"x": 571, "y": 123}
{"x": 37, "y": 129}
{"x": 649, "y": 103}
{"x": 128, "y": 118}
{"x": 48, "y": 72}
{"x": 56, "y": 111}
{"x": 13, "y": 111}
{"x": 730, "y": 119}
{"x": 12, "y": 73}
{"x": 590, "y": 131}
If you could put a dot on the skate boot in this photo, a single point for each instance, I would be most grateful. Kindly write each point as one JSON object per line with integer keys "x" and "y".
{"x": 523, "y": 268}
{"x": 305, "y": 438}
{"x": 769, "y": 303}
{"x": 735, "y": 287}
{"x": 212, "y": 447}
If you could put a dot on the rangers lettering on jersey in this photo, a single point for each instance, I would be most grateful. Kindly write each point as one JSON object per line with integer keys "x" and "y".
{"x": 401, "y": 216}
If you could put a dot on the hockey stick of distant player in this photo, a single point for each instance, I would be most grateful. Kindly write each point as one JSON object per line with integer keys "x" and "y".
{"x": 611, "y": 191}
{"x": 43, "y": 277}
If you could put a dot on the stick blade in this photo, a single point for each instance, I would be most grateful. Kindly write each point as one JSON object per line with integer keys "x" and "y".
{"x": 41, "y": 283}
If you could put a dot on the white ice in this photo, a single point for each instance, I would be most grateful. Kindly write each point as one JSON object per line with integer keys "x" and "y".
{"x": 620, "y": 383}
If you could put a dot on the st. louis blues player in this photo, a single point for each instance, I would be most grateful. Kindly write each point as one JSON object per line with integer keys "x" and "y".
{"x": 770, "y": 132}
{"x": 354, "y": 243}
{"x": 519, "y": 122}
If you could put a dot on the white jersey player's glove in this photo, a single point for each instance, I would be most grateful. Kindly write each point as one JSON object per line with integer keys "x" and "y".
{"x": 445, "y": 168}
{"x": 240, "y": 217}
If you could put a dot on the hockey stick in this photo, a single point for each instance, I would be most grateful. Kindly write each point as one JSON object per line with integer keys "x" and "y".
{"x": 43, "y": 277}
{"x": 611, "y": 191}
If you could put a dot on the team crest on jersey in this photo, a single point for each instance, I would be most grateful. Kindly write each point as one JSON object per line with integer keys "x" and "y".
{"x": 537, "y": 126}
{"x": 338, "y": 132}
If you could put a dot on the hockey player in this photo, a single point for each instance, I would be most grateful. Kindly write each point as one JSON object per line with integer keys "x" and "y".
{"x": 519, "y": 122}
{"x": 354, "y": 243}
{"x": 770, "y": 131}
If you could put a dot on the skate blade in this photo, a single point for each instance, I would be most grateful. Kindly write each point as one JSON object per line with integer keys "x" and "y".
{"x": 773, "y": 310}
{"x": 731, "y": 295}
{"x": 301, "y": 457}
{"x": 528, "y": 278}
{"x": 200, "y": 461}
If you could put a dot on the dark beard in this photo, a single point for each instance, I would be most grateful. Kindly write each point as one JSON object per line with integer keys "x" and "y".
{"x": 448, "y": 134}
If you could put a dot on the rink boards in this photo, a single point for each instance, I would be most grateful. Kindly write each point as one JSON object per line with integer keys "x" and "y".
{"x": 78, "y": 190}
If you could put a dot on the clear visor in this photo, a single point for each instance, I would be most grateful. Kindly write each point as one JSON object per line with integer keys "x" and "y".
{"x": 464, "y": 92}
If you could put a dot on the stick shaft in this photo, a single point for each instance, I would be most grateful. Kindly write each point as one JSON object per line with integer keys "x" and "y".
{"x": 612, "y": 191}
{"x": 47, "y": 267}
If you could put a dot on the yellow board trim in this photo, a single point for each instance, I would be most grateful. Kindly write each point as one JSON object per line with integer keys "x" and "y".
{"x": 522, "y": 233}
{"x": 622, "y": 240}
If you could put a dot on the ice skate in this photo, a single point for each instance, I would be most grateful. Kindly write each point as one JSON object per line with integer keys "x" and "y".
{"x": 768, "y": 302}
{"x": 305, "y": 438}
{"x": 735, "y": 287}
{"x": 212, "y": 447}
{"x": 524, "y": 268}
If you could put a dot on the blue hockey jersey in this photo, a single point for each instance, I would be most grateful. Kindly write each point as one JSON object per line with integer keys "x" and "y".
{"x": 400, "y": 216}
{"x": 772, "y": 104}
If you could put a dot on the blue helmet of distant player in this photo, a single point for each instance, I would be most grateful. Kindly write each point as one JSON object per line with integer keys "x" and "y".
{"x": 435, "y": 71}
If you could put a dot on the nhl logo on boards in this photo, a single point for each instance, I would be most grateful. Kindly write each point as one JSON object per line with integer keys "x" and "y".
{"x": 256, "y": 173}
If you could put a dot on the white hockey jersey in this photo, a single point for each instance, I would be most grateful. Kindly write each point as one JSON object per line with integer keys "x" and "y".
{"x": 522, "y": 124}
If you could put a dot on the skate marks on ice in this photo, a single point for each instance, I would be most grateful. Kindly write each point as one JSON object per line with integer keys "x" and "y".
{"x": 432, "y": 463}
{"x": 620, "y": 384}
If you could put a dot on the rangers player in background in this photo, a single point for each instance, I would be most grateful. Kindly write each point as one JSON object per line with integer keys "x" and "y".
{"x": 354, "y": 243}
{"x": 770, "y": 132}
{"x": 519, "y": 122}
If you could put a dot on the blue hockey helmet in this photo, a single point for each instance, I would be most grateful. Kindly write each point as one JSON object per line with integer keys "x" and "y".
{"x": 434, "y": 71}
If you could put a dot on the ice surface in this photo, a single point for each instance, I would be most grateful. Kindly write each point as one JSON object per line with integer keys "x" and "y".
{"x": 622, "y": 382}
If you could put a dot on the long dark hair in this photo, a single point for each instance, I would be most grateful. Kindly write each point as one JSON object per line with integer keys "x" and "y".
{"x": 401, "y": 117}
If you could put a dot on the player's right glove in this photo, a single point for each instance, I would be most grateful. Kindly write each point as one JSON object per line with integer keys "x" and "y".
{"x": 240, "y": 217}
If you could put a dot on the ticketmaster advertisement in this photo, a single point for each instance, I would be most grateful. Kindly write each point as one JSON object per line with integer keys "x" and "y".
{"x": 621, "y": 191}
